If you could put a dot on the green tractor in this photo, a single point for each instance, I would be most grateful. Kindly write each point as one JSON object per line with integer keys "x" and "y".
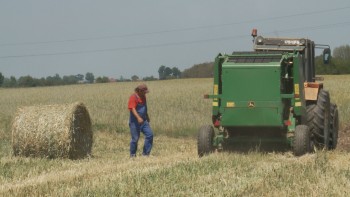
{"x": 271, "y": 93}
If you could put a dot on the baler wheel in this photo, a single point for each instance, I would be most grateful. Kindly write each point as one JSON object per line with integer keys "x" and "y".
{"x": 301, "y": 144}
{"x": 205, "y": 140}
{"x": 334, "y": 127}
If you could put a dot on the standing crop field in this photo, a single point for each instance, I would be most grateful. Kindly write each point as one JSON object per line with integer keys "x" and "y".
{"x": 177, "y": 109}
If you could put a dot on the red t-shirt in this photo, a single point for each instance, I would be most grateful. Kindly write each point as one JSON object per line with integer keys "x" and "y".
{"x": 134, "y": 100}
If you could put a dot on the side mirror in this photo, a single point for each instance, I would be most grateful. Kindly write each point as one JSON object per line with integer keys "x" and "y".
{"x": 326, "y": 56}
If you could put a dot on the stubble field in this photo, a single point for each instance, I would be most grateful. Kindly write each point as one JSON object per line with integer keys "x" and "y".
{"x": 177, "y": 109}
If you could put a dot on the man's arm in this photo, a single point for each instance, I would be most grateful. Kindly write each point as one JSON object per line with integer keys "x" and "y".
{"x": 138, "y": 117}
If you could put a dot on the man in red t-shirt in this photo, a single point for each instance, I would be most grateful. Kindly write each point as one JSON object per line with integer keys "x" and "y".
{"x": 139, "y": 121}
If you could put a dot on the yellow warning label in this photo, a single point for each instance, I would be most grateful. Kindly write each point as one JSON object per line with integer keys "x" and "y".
{"x": 296, "y": 88}
{"x": 215, "y": 104}
{"x": 230, "y": 104}
{"x": 297, "y": 104}
{"x": 216, "y": 89}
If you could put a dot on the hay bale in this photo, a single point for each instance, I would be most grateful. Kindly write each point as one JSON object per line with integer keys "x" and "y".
{"x": 52, "y": 131}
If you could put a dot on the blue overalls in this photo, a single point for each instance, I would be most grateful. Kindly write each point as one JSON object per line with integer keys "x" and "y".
{"x": 136, "y": 128}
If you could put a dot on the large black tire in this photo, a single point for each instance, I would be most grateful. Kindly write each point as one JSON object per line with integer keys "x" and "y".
{"x": 310, "y": 123}
{"x": 205, "y": 140}
{"x": 334, "y": 127}
{"x": 318, "y": 117}
{"x": 301, "y": 144}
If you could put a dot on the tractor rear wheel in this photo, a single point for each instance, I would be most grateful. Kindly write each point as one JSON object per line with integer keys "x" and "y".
{"x": 205, "y": 140}
{"x": 334, "y": 127}
{"x": 310, "y": 122}
{"x": 318, "y": 117}
{"x": 301, "y": 144}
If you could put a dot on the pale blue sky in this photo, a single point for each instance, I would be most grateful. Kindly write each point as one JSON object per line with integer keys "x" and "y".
{"x": 113, "y": 38}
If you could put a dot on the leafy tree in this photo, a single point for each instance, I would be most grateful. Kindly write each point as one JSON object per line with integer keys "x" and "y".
{"x": 135, "y": 78}
{"x": 342, "y": 52}
{"x": 103, "y": 79}
{"x": 1, "y": 79}
{"x": 161, "y": 72}
{"x": 26, "y": 81}
{"x": 151, "y": 78}
{"x": 57, "y": 77}
{"x": 176, "y": 72}
{"x": 54, "y": 80}
{"x": 13, "y": 81}
{"x": 6, "y": 83}
{"x": 98, "y": 80}
{"x": 42, "y": 81}
{"x": 50, "y": 81}
{"x": 203, "y": 70}
{"x": 71, "y": 79}
{"x": 9, "y": 82}
{"x": 89, "y": 77}
{"x": 79, "y": 77}
{"x": 167, "y": 72}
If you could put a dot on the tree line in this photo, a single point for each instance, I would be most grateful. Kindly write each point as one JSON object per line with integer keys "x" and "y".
{"x": 29, "y": 81}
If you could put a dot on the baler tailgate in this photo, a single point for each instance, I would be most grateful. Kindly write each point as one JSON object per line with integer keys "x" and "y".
{"x": 251, "y": 94}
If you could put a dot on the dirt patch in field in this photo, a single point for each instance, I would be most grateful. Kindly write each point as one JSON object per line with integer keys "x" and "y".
{"x": 344, "y": 139}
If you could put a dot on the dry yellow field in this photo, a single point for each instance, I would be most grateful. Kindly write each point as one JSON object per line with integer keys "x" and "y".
{"x": 177, "y": 109}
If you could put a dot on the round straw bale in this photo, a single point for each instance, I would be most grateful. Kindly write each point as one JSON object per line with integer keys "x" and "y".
{"x": 52, "y": 131}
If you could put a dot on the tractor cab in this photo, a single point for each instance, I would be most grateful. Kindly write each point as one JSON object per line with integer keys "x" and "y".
{"x": 305, "y": 47}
